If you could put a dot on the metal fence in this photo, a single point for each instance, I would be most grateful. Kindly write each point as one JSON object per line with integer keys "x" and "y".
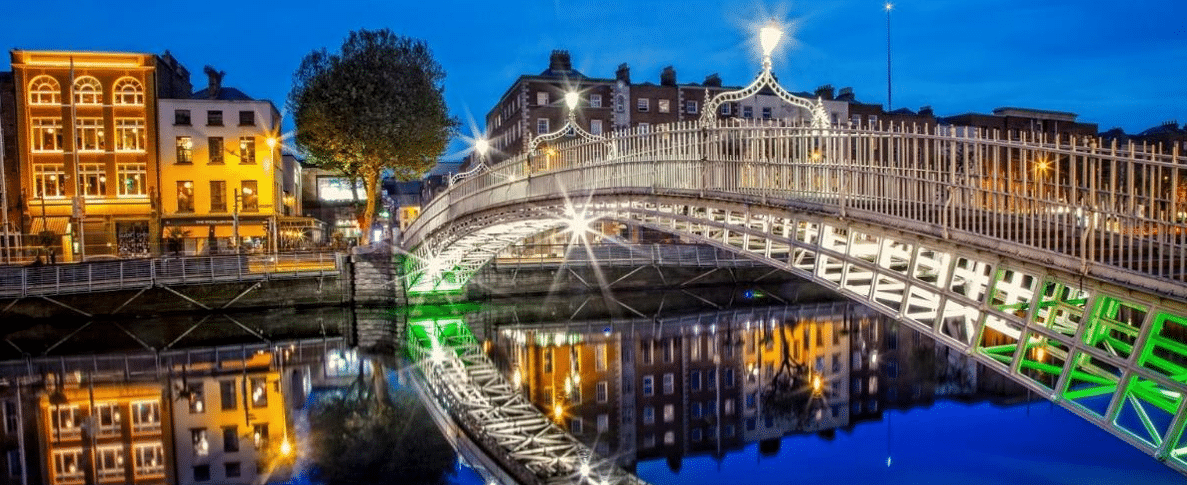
{"x": 622, "y": 255}
{"x": 46, "y": 280}
{"x": 1122, "y": 206}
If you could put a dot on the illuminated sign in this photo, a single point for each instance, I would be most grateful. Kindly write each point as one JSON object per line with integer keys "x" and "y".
{"x": 337, "y": 189}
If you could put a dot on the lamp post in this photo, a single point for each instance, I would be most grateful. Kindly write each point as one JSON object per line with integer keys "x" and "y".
{"x": 768, "y": 37}
{"x": 5, "y": 245}
{"x": 889, "y": 105}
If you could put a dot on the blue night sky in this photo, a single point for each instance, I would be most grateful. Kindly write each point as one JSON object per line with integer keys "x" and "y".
{"x": 1114, "y": 63}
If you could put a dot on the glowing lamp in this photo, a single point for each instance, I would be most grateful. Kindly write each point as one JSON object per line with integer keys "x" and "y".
{"x": 271, "y": 141}
{"x": 481, "y": 146}
{"x": 558, "y": 411}
{"x": 571, "y": 99}
{"x": 816, "y": 383}
{"x": 584, "y": 470}
{"x": 286, "y": 448}
{"x": 889, "y": 6}
{"x": 769, "y": 38}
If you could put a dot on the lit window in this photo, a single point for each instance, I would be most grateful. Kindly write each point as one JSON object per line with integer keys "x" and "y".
{"x": 146, "y": 416}
{"x": 664, "y": 106}
{"x": 133, "y": 178}
{"x": 595, "y": 101}
{"x": 690, "y": 107}
{"x": 185, "y": 196}
{"x": 247, "y": 149}
{"x": 196, "y": 391}
{"x": 541, "y": 125}
{"x": 129, "y": 135}
{"x": 201, "y": 441}
{"x": 88, "y": 90}
{"x": 600, "y": 350}
{"x": 259, "y": 435}
{"x": 68, "y": 466}
{"x": 89, "y": 134}
{"x": 669, "y": 383}
{"x": 94, "y": 179}
{"x": 185, "y": 149}
{"x": 67, "y": 421}
{"x": 644, "y": 104}
{"x": 45, "y": 90}
{"x": 547, "y": 361}
{"x": 47, "y": 134}
{"x": 150, "y": 460}
{"x": 541, "y": 98}
{"x": 251, "y": 203}
{"x": 648, "y": 385}
{"x": 128, "y": 91}
{"x": 111, "y": 462}
{"x": 48, "y": 180}
{"x": 670, "y": 438}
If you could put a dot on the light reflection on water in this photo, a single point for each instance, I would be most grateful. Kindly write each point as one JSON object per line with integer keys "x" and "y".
{"x": 825, "y": 391}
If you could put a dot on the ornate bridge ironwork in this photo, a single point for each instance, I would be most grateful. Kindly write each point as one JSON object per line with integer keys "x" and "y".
{"x": 1062, "y": 262}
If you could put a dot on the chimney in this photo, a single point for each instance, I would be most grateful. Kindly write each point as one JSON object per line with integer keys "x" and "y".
{"x": 624, "y": 73}
{"x": 825, "y": 91}
{"x": 927, "y": 112}
{"x": 667, "y": 77}
{"x": 846, "y": 94}
{"x": 559, "y": 61}
{"x": 713, "y": 80}
{"x": 214, "y": 82}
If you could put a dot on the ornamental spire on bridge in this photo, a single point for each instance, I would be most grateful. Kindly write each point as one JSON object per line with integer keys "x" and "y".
{"x": 769, "y": 37}
{"x": 572, "y": 100}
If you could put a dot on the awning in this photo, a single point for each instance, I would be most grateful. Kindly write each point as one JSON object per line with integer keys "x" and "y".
{"x": 59, "y": 225}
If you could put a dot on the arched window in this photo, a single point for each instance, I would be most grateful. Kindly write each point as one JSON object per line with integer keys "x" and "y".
{"x": 45, "y": 90}
{"x": 128, "y": 91}
{"x": 87, "y": 90}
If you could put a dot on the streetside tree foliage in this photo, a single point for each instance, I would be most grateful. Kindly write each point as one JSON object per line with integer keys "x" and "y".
{"x": 377, "y": 105}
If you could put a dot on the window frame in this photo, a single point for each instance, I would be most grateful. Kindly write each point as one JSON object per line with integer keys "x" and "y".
{"x": 130, "y": 129}
{"x": 45, "y": 90}
{"x": 43, "y": 129}
{"x": 128, "y": 91}
{"x": 247, "y": 150}
{"x": 137, "y": 171}
{"x": 643, "y": 105}
{"x": 88, "y": 91}
{"x": 89, "y": 134}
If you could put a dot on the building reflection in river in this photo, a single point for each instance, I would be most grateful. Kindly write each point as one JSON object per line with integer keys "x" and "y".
{"x": 210, "y": 415}
{"x": 710, "y": 383}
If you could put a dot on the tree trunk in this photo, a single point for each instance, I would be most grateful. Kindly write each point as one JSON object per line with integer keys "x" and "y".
{"x": 371, "y": 183}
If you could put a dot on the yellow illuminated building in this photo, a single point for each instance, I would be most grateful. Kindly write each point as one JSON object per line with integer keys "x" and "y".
{"x": 102, "y": 433}
{"x": 105, "y": 175}
{"x": 229, "y": 422}
{"x": 222, "y": 173}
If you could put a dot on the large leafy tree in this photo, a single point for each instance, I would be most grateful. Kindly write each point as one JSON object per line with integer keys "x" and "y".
{"x": 376, "y": 106}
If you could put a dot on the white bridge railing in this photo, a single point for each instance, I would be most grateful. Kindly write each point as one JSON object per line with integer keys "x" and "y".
{"x": 26, "y": 281}
{"x": 1120, "y": 206}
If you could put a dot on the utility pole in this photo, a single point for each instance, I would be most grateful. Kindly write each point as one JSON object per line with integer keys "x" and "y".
{"x": 5, "y": 243}
{"x": 78, "y": 215}
{"x": 235, "y": 219}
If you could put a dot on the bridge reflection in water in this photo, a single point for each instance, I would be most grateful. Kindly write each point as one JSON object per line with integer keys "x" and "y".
{"x": 707, "y": 383}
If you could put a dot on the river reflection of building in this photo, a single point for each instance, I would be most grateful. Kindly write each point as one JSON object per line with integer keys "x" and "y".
{"x": 710, "y": 383}
{"x": 215, "y": 415}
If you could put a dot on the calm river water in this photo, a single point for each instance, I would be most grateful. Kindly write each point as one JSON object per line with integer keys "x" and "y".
{"x": 710, "y": 385}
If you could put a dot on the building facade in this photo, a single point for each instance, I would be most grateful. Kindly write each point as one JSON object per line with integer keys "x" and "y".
{"x": 221, "y": 172}
{"x": 96, "y": 192}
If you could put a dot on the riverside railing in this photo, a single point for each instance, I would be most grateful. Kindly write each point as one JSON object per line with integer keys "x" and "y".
{"x": 622, "y": 255}
{"x": 26, "y": 281}
{"x": 1122, "y": 207}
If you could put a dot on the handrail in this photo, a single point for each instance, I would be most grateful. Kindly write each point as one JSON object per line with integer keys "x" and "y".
{"x": 1123, "y": 207}
{"x": 26, "y": 281}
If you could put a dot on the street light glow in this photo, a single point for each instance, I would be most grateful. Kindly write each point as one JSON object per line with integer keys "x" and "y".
{"x": 271, "y": 141}
{"x": 889, "y": 6}
{"x": 571, "y": 99}
{"x": 286, "y": 448}
{"x": 769, "y": 38}
{"x": 481, "y": 146}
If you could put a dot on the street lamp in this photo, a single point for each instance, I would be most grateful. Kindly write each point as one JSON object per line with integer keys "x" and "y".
{"x": 572, "y": 99}
{"x": 768, "y": 37}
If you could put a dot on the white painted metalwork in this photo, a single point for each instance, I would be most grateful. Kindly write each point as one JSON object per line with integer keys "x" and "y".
{"x": 1062, "y": 262}
{"x": 460, "y": 377}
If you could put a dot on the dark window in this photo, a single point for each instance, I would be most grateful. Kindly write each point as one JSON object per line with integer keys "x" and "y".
{"x": 216, "y": 149}
{"x": 227, "y": 392}
{"x": 249, "y": 196}
{"x": 230, "y": 439}
{"x": 247, "y": 118}
{"x": 185, "y": 196}
{"x": 10, "y": 417}
{"x": 218, "y": 196}
{"x": 233, "y": 470}
{"x": 181, "y": 117}
{"x": 202, "y": 473}
{"x": 214, "y": 118}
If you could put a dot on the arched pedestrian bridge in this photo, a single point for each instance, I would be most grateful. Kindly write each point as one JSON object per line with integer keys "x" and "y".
{"x": 1062, "y": 262}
